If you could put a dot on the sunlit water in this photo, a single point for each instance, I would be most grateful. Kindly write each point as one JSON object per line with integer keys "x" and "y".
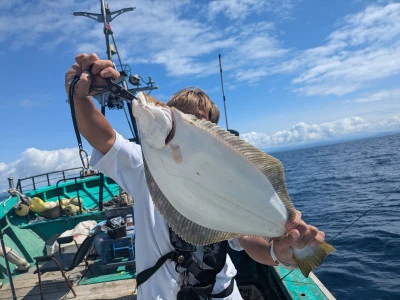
{"x": 333, "y": 186}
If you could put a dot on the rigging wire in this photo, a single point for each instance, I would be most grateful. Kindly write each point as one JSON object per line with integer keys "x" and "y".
{"x": 117, "y": 52}
{"x": 133, "y": 125}
{"x": 363, "y": 214}
{"x": 127, "y": 120}
{"x": 124, "y": 83}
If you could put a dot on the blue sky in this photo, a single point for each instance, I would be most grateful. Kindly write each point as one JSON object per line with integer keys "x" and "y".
{"x": 295, "y": 72}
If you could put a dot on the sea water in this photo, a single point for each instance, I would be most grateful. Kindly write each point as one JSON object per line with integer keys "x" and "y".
{"x": 351, "y": 191}
{"x": 336, "y": 185}
{"x": 3, "y": 195}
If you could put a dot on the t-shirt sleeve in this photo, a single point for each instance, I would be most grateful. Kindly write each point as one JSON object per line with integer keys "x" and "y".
{"x": 235, "y": 245}
{"x": 123, "y": 161}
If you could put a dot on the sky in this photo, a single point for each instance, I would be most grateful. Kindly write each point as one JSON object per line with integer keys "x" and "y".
{"x": 295, "y": 73}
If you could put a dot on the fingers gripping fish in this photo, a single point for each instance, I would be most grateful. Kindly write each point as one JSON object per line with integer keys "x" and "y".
{"x": 210, "y": 185}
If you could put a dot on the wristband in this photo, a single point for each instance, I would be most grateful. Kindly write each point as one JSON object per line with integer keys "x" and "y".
{"x": 279, "y": 263}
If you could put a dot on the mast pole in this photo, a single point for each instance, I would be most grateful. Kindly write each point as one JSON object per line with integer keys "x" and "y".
{"x": 223, "y": 92}
{"x": 106, "y": 29}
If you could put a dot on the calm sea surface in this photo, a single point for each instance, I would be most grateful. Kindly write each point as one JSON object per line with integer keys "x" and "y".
{"x": 335, "y": 185}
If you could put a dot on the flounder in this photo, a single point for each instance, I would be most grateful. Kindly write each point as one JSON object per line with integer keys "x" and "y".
{"x": 210, "y": 185}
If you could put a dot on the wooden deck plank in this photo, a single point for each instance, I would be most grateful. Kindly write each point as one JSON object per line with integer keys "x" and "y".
{"x": 54, "y": 287}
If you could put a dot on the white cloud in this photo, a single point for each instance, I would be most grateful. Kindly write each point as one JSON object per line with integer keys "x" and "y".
{"x": 302, "y": 132}
{"x": 36, "y": 21}
{"x": 364, "y": 49}
{"x": 34, "y": 161}
{"x": 380, "y": 96}
{"x": 240, "y": 9}
{"x": 175, "y": 34}
{"x": 235, "y": 9}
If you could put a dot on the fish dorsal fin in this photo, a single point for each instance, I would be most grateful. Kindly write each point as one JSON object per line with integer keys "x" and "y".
{"x": 270, "y": 166}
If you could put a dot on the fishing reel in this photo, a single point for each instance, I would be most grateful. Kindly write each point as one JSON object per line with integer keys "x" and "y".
{"x": 110, "y": 100}
{"x": 115, "y": 92}
{"x": 114, "y": 102}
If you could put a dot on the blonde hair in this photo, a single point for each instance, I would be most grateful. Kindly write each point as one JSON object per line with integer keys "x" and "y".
{"x": 193, "y": 100}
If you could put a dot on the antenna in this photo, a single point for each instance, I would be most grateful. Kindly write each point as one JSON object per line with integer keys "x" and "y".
{"x": 223, "y": 92}
{"x": 233, "y": 131}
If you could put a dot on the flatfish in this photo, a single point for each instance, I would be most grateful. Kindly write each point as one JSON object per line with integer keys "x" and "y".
{"x": 211, "y": 185}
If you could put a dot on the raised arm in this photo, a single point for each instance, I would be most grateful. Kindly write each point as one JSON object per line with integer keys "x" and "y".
{"x": 91, "y": 122}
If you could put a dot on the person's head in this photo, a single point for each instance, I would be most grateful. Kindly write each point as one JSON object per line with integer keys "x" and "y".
{"x": 195, "y": 102}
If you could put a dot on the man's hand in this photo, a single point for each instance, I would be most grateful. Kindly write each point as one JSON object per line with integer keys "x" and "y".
{"x": 91, "y": 122}
{"x": 299, "y": 234}
{"x": 90, "y": 70}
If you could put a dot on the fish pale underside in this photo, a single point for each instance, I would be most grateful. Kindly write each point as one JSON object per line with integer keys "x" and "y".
{"x": 210, "y": 185}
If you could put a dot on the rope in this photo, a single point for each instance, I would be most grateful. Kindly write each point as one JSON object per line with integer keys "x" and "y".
{"x": 82, "y": 153}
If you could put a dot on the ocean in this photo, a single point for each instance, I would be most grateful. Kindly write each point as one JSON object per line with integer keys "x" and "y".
{"x": 351, "y": 191}
{"x": 3, "y": 195}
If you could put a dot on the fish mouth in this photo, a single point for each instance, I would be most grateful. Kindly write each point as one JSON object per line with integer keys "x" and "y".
{"x": 171, "y": 134}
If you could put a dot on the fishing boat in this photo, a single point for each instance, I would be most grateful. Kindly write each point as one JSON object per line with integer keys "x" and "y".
{"x": 80, "y": 221}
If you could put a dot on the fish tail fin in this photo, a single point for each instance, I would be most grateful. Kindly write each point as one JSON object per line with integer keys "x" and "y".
{"x": 311, "y": 257}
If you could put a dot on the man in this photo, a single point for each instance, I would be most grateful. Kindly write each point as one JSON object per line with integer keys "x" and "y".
{"x": 122, "y": 160}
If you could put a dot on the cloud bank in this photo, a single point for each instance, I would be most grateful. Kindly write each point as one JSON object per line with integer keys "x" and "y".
{"x": 34, "y": 161}
{"x": 303, "y": 133}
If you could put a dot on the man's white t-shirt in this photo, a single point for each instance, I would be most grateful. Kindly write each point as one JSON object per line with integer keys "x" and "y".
{"x": 124, "y": 163}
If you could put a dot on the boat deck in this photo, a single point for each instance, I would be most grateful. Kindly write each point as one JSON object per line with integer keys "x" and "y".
{"x": 54, "y": 287}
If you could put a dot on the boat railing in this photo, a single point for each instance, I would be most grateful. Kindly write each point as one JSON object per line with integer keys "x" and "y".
{"x": 48, "y": 179}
